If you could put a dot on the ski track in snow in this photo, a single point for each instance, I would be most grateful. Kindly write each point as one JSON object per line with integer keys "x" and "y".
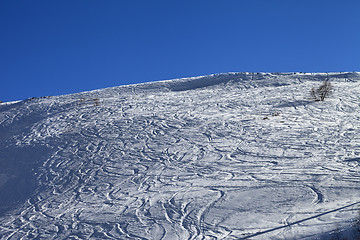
{"x": 226, "y": 156}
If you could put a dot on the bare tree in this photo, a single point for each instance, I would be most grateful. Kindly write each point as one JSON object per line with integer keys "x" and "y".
{"x": 323, "y": 91}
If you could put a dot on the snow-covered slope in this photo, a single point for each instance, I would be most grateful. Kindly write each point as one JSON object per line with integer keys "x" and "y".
{"x": 226, "y": 156}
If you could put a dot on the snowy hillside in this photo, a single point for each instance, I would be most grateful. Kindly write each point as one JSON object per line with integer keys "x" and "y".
{"x": 226, "y": 156}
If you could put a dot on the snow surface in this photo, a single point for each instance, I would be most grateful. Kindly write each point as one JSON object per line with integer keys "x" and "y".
{"x": 225, "y": 156}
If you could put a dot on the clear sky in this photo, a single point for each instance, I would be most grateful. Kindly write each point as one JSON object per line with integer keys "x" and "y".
{"x": 60, "y": 47}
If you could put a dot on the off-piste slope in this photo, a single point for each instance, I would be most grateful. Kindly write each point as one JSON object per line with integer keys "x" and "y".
{"x": 226, "y": 156}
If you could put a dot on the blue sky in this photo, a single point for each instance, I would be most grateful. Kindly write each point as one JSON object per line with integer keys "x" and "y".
{"x": 60, "y": 47}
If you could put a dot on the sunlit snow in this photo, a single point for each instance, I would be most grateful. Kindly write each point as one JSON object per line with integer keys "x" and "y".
{"x": 225, "y": 156}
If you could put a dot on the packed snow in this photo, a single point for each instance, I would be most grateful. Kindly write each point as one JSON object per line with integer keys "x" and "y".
{"x": 225, "y": 156}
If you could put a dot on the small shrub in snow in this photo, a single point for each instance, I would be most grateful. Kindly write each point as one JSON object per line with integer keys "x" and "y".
{"x": 96, "y": 101}
{"x": 323, "y": 91}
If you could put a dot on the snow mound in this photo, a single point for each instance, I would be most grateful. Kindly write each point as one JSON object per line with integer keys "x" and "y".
{"x": 224, "y": 156}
